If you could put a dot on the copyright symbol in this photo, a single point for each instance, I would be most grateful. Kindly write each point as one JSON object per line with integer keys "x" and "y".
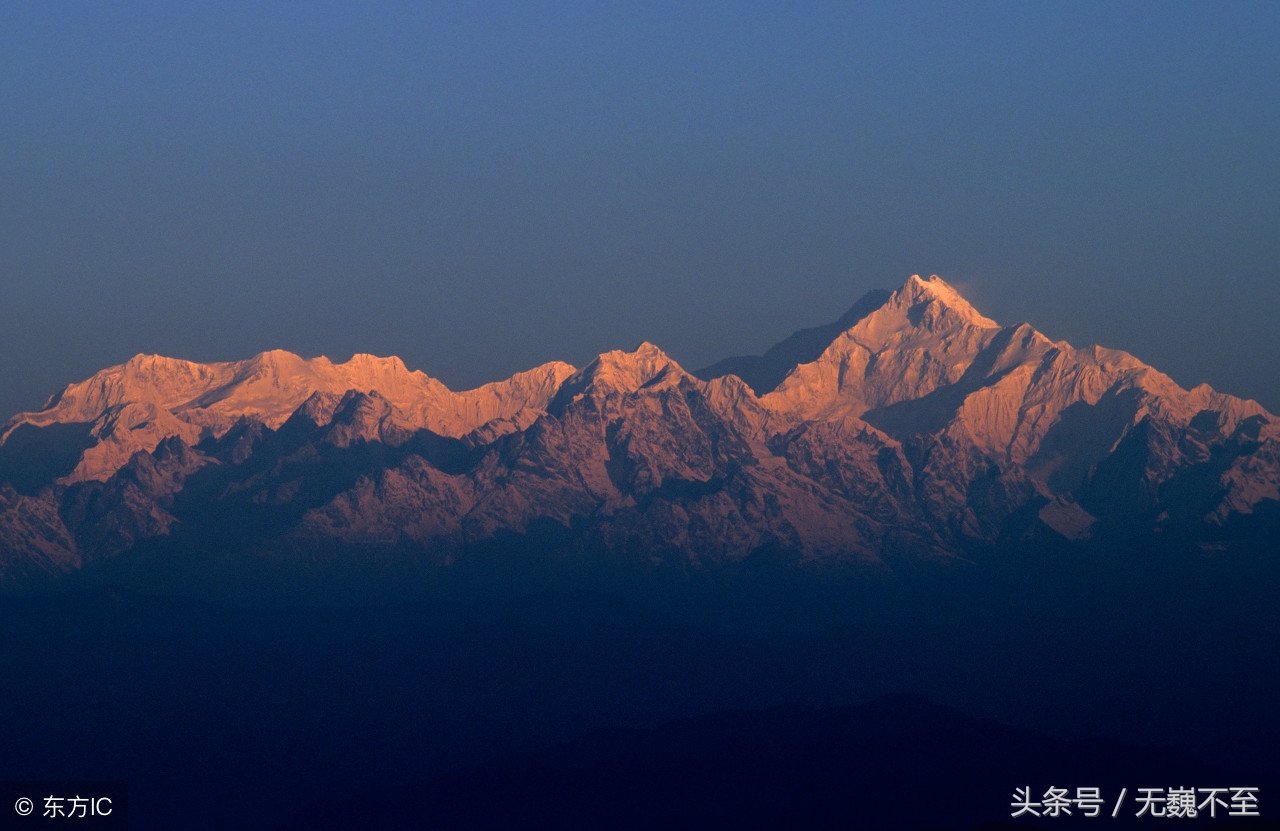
{"x": 23, "y": 806}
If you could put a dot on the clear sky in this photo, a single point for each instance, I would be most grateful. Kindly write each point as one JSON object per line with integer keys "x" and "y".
{"x": 481, "y": 187}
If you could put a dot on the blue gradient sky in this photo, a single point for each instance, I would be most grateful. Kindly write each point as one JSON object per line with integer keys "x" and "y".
{"x": 479, "y": 188}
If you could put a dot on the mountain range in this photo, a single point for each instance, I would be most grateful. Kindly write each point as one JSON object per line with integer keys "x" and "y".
{"x": 914, "y": 430}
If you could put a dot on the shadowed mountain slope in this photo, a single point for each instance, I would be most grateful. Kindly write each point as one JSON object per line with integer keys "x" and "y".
{"x": 896, "y": 763}
{"x": 764, "y": 372}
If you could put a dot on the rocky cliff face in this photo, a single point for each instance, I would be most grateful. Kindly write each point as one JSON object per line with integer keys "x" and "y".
{"x": 923, "y": 431}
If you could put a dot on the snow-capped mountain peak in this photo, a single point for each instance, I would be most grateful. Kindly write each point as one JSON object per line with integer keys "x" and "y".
{"x": 618, "y": 373}
{"x": 136, "y": 405}
{"x": 922, "y": 427}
